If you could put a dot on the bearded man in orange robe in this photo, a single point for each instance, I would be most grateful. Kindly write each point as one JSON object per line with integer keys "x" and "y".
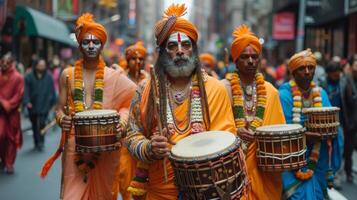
{"x": 92, "y": 85}
{"x": 177, "y": 69}
{"x": 255, "y": 103}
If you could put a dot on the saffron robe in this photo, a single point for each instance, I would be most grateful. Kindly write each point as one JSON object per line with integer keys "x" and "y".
{"x": 117, "y": 92}
{"x": 263, "y": 184}
{"x": 220, "y": 118}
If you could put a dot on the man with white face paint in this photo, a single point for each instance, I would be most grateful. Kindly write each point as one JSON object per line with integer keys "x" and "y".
{"x": 190, "y": 102}
{"x": 92, "y": 86}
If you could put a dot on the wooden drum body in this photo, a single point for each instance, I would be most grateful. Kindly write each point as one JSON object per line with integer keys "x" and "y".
{"x": 323, "y": 120}
{"x": 95, "y": 131}
{"x": 281, "y": 147}
{"x": 209, "y": 165}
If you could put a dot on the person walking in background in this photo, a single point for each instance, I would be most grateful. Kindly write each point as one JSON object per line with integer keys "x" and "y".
{"x": 350, "y": 115}
{"x": 320, "y": 73}
{"x": 39, "y": 98}
{"x": 334, "y": 85}
{"x": 11, "y": 93}
{"x": 209, "y": 63}
{"x": 267, "y": 71}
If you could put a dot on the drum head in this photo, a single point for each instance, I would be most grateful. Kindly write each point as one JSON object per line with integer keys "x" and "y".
{"x": 279, "y": 128}
{"x": 203, "y": 144}
{"x": 97, "y": 113}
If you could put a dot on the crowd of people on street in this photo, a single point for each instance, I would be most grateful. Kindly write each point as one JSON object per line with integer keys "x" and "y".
{"x": 182, "y": 92}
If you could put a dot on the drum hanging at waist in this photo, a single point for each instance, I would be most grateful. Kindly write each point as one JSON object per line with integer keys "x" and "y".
{"x": 95, "y": 131}
{"x": 209, "y": 165}
{"x": 281, "y": 147}
{"x": 324, "y": 121}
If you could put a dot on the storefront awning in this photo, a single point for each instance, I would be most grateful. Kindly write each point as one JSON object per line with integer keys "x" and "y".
{"x": 36, "y": 23}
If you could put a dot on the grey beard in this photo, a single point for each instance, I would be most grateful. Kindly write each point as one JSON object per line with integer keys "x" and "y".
{"x": 175, "y": 70}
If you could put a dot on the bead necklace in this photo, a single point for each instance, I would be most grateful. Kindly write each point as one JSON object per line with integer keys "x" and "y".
{"x": 194, "y": 114}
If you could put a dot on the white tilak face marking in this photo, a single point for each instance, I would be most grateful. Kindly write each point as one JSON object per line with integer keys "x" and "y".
{"x": 91, "y": 45}
{"x": 178, "y": 41}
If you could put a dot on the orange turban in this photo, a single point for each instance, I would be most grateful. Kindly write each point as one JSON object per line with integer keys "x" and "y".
{"x": 300, "y": 59}
{"x": 172, "y": 22}
{"x": 86, "y": 24}
{"x": 242, "y": 37}
{"x": 208, "y": 58}
{"x": 134, "y": 49}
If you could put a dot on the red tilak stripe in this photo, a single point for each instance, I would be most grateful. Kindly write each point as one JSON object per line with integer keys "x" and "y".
{"x": 178, "y": 37}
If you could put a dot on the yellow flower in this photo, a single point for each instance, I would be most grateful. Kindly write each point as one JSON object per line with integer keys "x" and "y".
{"x": 297, "y": 104}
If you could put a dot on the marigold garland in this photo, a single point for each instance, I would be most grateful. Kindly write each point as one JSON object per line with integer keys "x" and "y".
{"x": 83, "y": 165}
{"x": 238, "y": 101}
{"x": 79, "y": 90}
{"x": 297, "y": 108}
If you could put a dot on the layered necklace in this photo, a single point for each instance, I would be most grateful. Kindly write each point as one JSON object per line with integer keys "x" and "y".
{"x": 194, "y": 115}
{"x": 248, "y": 107}
{"x": 85, "y": 165}
{"x": 298, "y": 103}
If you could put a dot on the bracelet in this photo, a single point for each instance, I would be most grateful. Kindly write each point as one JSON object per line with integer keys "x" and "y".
{"x": 59, "y": 118}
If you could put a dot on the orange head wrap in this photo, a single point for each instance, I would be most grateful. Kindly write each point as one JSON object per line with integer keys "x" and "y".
{"x": 242, "y": 37}
{"x": 301, "y": 59}
{"x": 134, "y": 49}
{"x": 172, "y": 22}
{"x": 208, "y": 58}
{"x": 86, "y": 24}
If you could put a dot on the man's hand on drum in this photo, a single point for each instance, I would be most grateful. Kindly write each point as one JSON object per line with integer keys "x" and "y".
{"x": 312, "y": 137}
{"x": 159, "y": 145}
{"x": 66, "y": 123}
{"x": 246, "y": 134}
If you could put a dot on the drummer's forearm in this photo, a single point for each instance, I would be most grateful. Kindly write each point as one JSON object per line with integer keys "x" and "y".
{"x": 139, "y": 146}
{"x": 124, "y": 115}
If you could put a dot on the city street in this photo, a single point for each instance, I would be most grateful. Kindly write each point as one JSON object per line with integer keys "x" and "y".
{"x": 26, "y": 183}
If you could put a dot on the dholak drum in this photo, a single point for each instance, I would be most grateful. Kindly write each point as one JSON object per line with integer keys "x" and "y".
{"x": 322, "y": 120}
{"x": 95, "y": 131}
{"x": 209, "y": 165}
{"x": 281, "y": 147}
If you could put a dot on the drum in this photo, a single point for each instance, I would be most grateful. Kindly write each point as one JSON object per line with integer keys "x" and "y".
{"x": 95, "y": 131}
{"x": 323, "y": 120}
{"x": 281, "y": 147}
{"x": 209, "y": 165}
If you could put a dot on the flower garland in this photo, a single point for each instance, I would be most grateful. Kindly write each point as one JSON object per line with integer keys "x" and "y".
{"x": 85, "y": 165}
{"x": 238, "y": 101}
{"x": 297, "y": 108}
{"x": 79, "y": 104}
